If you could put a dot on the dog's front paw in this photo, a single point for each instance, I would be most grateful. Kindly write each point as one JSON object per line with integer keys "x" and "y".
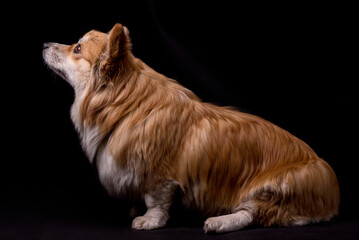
{"x": 147, "y": 223}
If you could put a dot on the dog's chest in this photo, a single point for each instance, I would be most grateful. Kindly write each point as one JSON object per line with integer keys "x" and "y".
{"x": 117, "y": 180}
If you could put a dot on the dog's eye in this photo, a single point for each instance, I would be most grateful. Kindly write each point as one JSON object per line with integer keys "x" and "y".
{"x": 77, "y": 49}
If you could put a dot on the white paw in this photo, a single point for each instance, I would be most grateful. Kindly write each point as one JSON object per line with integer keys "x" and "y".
{"x": 228, "y": 223}
{"x": 147, "y": 223}
{"x": 213, "y": 224}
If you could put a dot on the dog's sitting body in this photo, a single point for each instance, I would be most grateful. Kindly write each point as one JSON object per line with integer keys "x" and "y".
{"x": 148, "y": 136}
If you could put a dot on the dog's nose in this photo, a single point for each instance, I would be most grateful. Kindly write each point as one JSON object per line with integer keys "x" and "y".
{"x": 47, "y": 45}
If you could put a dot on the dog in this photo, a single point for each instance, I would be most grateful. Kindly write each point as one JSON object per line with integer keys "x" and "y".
{"x": 148, "y": 136}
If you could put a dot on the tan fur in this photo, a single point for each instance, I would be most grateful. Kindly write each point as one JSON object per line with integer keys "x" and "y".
{"x": 223, "y": 160}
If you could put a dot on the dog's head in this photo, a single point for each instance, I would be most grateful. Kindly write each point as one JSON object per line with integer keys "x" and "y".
{"x": 75, "y": 63}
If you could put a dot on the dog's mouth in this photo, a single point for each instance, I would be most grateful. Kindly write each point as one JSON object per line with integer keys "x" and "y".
{"x": 60, "y": 73}
{"x": 49, "y": 60}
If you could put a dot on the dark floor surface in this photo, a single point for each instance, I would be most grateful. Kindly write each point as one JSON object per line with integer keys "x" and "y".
{"x": 53, "y": 226}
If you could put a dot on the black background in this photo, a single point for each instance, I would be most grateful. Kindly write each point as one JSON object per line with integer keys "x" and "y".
{"x": 290, "y": 64}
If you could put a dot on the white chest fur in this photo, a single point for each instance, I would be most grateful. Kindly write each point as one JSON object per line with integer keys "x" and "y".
{"x": 115, "y": 179}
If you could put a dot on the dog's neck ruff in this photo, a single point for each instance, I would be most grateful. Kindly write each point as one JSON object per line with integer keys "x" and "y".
{"x": 90, "y": 136}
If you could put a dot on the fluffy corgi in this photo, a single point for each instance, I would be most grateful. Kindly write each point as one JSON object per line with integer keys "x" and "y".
{"x": 148, "y": 135}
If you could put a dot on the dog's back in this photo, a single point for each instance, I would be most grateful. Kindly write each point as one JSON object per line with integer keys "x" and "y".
{"x": 148, "y": 135}
{"x": 225, "y": 161}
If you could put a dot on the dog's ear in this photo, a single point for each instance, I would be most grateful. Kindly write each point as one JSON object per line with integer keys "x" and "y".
{"x": 118, "y": 48}
{"x": 119, "y": 43}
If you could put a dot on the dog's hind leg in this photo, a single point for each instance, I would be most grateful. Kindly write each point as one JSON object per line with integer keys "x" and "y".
{"x": 293, "y": 196}
{"x": 228, "y": 223}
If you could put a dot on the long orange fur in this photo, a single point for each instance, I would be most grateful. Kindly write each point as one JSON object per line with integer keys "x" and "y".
{"x": 223, "y": 160}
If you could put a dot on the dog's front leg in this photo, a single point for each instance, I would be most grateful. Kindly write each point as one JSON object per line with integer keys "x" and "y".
{"x": 158, "y": 203}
